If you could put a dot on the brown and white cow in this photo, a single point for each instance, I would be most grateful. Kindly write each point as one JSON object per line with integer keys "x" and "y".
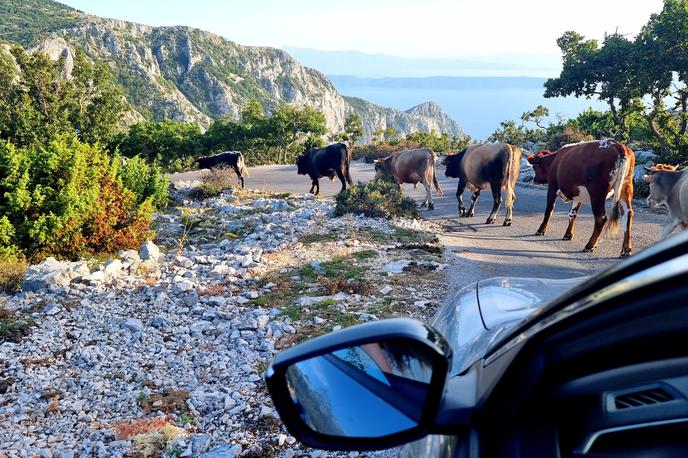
{"x": 478, "y": 167}
{"x": 589, "y": 172}
{"x": 411, "y": 166}
{"x": 669, "y": 188}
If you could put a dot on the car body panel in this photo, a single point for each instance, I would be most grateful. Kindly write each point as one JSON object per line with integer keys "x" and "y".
{"x": 481, "y": 313}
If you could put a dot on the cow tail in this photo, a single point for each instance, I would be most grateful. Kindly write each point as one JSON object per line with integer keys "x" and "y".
{"x": 435, "y": 182}
{"x": 347, "y": 173}
{"x": 511, "y": 171}
{"x": 621, "y": 171}
{"x": 242, "y": 165}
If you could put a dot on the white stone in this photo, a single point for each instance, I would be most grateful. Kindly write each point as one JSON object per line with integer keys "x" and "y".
{"x": 149, "y": 251}
{"x": 386, "y": 290}
{"x": 133, "y": 324}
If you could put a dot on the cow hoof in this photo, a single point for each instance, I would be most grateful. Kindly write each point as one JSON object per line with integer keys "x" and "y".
{"x": 567, "y": 237}
{"x": 431, "y": 207}
{"x": 507, "y": 222}
{"x": 589, "y": 249}
{"x": 540, "y": 232}
{"x": 490, "y": 221}
{"x": 470, "y": 215}
{"x": 625, "y": 253}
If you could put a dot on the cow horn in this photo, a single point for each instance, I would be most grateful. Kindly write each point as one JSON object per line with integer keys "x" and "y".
{"x": 648, "y": 169}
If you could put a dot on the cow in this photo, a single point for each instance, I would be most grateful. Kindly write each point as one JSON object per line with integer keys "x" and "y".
{"x": 494, "y": 165}
{"x": 326, "y": 162}
{"x": 669, "y": 188}
{"x": 232, "y": 159}
{"x": 411, "y": 166}
{"x": 589, "y": 172}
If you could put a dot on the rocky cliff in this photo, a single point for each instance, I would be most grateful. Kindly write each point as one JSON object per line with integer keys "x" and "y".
{"x": 190, "y": 75}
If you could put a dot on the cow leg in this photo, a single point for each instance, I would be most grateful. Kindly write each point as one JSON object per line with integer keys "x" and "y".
{"x": 510, "y": 199}
{"x": 317, "y": 187}
{"x": 238, "y": 174}
{"x": 573, "y": 214}
{"x": 627, "y": 247}
{"x": 459, "y": 196}
{"x": 474, "y": 200}
{"x": 551, "y": 199}
{"x": 497, "y": 197}
{"x": 600, "y": 215}
{"x": 428, "y": 194}
{"x": 342, "y": 178}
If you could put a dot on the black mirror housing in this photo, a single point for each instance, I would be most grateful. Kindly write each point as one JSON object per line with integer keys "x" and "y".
{"x": 368, "y": 387}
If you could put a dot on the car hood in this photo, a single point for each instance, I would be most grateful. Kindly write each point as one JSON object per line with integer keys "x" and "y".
{"x": 479, "y": 314}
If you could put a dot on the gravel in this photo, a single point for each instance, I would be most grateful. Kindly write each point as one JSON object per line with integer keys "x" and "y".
{"x": 109, "y": 337}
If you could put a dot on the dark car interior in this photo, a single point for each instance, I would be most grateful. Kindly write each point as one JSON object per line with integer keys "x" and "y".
{"x": 613, "y": 383}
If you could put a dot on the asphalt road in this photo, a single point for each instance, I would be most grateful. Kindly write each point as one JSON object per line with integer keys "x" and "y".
{"x": 477, "y": 250}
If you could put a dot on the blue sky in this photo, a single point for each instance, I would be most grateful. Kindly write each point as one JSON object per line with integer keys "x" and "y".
{"x": 427, "y": 28}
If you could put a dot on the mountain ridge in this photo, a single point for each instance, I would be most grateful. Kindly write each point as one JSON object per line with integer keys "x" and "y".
{"x": 187, "y": 74}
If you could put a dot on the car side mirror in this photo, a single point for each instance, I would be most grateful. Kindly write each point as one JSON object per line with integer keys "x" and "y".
{"x": 368, "y": 387}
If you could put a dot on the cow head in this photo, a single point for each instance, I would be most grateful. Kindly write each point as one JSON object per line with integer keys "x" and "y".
{"x": 540, "y": 162}
{"x": 382, "y": 168}
{"x": 302, "y": 164}
{"x": 661, "y": 183}
{"x": 453, "y": 164}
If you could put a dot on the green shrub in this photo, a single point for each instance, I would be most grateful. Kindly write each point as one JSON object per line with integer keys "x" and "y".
{"x": 65, "y": 199}
{"x": 377, "y": 198}
{"x": 171, "y": 143}
{"x": 370, "y": 153}
{"x": 567, "y": 136}
{"x": 146, "y": 181}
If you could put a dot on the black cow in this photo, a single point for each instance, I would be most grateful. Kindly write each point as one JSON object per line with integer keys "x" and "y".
{"x": 232, "y": 159}
{"x": 326, "y": 162}
{"x": 478, "y": 167}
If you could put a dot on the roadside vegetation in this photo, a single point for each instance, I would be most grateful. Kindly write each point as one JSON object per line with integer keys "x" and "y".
{"x": 646, "y": 92}
{"x": 62, "y": 193}
{"x": 379, "y": 198}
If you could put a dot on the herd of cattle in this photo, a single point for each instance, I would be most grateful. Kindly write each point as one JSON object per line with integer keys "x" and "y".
{"x": 588, "y": 172}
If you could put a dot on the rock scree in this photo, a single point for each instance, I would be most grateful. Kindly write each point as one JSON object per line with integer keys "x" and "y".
{"x": 163, "y": 349}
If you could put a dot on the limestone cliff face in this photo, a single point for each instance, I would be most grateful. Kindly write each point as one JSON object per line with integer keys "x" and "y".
{"x": 190, "y": 75}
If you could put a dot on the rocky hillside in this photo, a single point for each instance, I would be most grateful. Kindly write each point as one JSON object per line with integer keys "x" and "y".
{"x": 191, "y": 75}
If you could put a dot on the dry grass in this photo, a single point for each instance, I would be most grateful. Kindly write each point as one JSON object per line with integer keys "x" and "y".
{"x": 154, "y": 443}
{"x": 211, "y": 290}
{"x": 216, "y": 181}
{"x": 11, "y": 274}
{"x": 126, "y": 429}
{"x": 339, "y": 284}
{"x": 168, "y": 401}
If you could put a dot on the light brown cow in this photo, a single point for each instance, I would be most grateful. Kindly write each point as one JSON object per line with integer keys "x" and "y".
{"x": 589, "y": 172}
{"x": 411, "y": 166}
{"x": 669, "y": 188}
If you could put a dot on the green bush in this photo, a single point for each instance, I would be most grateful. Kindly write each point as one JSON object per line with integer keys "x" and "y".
{"x": 66, "y": 199}
{"x": 147, "y": 181}
{"x": 370, "y": 153}
{"x": 377, "y": 198}
{"x": 567, "y": 136}
{"x": 171, "y": 143}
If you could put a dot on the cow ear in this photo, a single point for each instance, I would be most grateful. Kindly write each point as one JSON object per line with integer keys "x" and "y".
{"x": 647, "y": 178}
{"x": 532, "y": 159}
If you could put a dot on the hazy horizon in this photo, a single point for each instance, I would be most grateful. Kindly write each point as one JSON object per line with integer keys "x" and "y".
{"x": 446, "y": 29}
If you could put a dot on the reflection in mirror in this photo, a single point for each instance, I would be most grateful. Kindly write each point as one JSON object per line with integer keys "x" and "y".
{"x": 371, "y": 390}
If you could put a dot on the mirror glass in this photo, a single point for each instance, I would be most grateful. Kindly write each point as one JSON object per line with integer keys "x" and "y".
{"x": 371, "y": 390}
